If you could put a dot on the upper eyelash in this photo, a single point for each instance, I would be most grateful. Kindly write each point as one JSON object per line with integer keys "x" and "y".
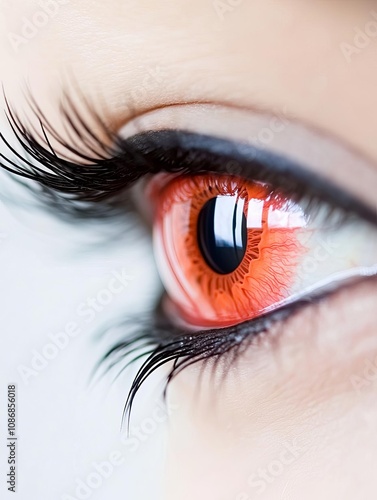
{"x": 97, "y": 187}
{"x": 72, "y": 188}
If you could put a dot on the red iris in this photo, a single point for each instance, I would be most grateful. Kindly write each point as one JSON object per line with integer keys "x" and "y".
{"x": 228, "y": 249}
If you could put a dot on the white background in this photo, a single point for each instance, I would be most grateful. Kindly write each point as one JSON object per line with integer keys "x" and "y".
{"x": 64, "y": 424}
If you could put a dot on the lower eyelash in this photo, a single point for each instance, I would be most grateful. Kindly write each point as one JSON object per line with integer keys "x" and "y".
{"x": 163, "y": 343}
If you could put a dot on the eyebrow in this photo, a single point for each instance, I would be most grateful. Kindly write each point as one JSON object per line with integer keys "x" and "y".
{"x": 107, "y": 165}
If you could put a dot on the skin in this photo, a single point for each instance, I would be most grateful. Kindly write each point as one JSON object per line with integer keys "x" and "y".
{"x": 229, "y": 441}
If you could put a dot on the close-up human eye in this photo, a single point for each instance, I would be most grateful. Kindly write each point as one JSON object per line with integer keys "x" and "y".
{"x": 188, "y": 250}
{"x": 232, "y": 247}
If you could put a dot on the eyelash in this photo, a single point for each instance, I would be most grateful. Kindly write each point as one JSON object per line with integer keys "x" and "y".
{"x": 153, "y": 342}
{"x": 97, "y": 185}
{"x": 92, "y": 187}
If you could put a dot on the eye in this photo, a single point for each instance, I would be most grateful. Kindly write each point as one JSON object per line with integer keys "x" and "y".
{"x": 244, "y": 236}
{"x": 229, "y": 249}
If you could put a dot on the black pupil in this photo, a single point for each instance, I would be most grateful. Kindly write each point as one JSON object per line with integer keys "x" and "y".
{"x": 222, "y": 233}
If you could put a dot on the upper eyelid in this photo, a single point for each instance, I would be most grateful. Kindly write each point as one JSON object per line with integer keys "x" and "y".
{"x": 320, "y": 151}
{"x": 102, "y": 169}
{"x": 241, "y": 159}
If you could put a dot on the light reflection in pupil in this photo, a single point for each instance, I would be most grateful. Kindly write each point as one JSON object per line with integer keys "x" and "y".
{"x": 222, "y": 233}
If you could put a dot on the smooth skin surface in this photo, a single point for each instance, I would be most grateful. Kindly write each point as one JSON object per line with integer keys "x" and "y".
{"x": 288, "y": 421}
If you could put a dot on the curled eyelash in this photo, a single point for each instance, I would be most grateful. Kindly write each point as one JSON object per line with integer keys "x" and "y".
{"x": 91, "y": 186}
{"x": 160, "y": 343}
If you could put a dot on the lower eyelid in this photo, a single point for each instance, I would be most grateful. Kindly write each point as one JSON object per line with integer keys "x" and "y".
{"x": 339, "y": 326}
{"x": 336, "y": 328}
{"x": 308, "y": 360}
{"x": 311, "y": 356}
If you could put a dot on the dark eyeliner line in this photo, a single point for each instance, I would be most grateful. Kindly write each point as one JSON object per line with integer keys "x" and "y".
{"x": 205, "y": 154}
